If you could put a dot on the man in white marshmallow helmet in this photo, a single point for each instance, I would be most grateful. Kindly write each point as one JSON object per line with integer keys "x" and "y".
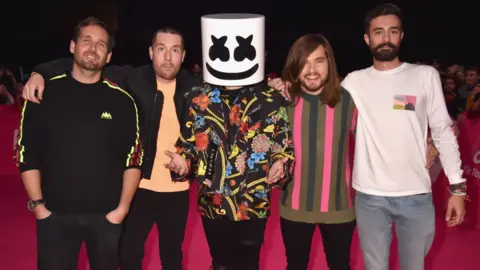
{"x": 237, "y": 139}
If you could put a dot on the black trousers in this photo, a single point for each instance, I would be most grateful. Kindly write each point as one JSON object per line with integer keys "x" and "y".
{"x": 336, "y": 238}
{"x": 235, "y": 245}
{"x": 60, "y": 236}
{"x": 169, "y": 210}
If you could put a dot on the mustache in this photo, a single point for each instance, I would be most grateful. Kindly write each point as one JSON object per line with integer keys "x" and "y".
{"x": 388, "y": 44}
{"x": 91, "y": 53}
{"x": 312, "y": 75}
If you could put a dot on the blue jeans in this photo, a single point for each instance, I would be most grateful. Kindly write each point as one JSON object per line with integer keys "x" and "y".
{"x": 414, "y": 219}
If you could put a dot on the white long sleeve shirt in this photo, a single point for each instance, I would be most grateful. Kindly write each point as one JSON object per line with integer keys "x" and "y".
{"x": 395, "y": 108}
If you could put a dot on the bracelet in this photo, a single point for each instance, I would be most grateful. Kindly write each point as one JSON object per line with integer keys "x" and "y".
{"x": 460, "y": 188}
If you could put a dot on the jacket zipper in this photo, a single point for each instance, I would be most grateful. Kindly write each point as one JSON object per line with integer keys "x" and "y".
{"x": 151, "y": 122}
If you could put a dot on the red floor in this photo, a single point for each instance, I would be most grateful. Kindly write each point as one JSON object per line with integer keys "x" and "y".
{"x": 454, "y": 249}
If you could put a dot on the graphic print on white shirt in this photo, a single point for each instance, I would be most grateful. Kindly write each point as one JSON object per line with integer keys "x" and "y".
{"x": 404, "y": 102}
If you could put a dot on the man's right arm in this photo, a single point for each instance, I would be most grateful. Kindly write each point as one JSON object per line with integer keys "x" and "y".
{"x": 54, "y": 68}
{"x": 34, "y": 87}
{"x": 27, "y": 156}
{"x": 33, "y": 90}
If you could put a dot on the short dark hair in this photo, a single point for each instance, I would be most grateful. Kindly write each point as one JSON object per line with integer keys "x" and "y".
{"x": 97, "y": 22}
{"x": 381, "y": 10}
{"x": 472, "y": 68}
{"x": 168, "y": 30}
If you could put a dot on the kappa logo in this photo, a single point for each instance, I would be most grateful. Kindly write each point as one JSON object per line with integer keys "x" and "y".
{"x": 106, "y": 115}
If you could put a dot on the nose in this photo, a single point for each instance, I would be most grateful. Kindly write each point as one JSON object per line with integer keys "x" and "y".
{"x": 386, "y": 38}
{"x": 310, "y": 67}
{"x": 92, "y": 47}
{"x": 168, "y": 55}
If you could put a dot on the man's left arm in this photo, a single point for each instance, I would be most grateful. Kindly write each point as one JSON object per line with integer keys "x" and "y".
{"x": 442, "y": 133}
{"x": 133, "y": 163}
{"x": 445, "y": 141}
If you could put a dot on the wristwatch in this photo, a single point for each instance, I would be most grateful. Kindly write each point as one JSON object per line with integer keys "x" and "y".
{"x": 34, "y": 203}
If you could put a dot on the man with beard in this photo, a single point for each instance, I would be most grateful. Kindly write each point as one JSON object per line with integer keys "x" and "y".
{"x": 397, "y": 103}
{"x": 73, "y": 156}
{"x": 160, "y": 90}
{"x": 321, "y": 119}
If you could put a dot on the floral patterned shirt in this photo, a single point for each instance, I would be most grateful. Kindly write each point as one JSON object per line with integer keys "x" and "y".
{"x": 232, "y": 172}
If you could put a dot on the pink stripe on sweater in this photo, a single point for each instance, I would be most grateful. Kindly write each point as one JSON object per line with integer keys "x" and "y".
{"x": 297, "y": 144}
{"x": 327, "y": 159}
{"x": 354, "y": 120}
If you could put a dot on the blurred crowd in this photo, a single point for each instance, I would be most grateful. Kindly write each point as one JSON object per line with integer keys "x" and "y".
{"x": 461, "y": 87}
{"x": 11, "y": 88}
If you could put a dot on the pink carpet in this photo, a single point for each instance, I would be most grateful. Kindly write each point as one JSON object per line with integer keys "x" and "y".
{"x": 457, "y": 248}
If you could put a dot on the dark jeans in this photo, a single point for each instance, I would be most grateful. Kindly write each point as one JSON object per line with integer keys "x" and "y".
{"x": 169, "y": 210}
{"x": 336, "y": 238}
{"x": 60, "y": 236}
{"x": 235, "y": 244}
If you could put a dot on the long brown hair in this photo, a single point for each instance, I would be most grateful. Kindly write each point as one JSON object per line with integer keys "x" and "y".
{"x": 296, "y": 60}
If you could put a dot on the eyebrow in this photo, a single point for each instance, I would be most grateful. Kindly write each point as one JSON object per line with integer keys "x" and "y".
{"x": 90, "y": 38}
{"x": 393, "y": 27}
{"x": 163, "y": 44}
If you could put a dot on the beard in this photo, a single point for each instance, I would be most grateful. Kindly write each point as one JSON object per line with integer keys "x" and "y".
{"x": 384, "y": 55}
{"x": 95, "y": 64}
{"x": 166, "y": 71}
{"x": 312, "y": 85}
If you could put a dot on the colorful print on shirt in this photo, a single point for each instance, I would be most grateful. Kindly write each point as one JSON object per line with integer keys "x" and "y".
{"x": 232, "y": 170}
{"x": 404, "y": 102}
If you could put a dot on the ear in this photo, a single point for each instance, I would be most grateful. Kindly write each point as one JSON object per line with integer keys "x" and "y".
{"x": 367, "y": 39}
{"x": 72, "y": 46}
{"x": 150, "y": 52}
{"x": 183, "y": 55}
{"x": 109, "y": 56}
{"x": 403, "y": 33}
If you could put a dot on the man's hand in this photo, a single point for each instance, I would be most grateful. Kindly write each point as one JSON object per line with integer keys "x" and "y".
{"x": 277, "y": 172}
{"x": 280, "y": 85}
{"x": 117, "y": 215}
{"x": 41, "y": 212}
{"x": 34, "y": 84}
{"x": 432, "y": 153}
{"x": 455, "y": 210}
{"x": 178, "y": 164}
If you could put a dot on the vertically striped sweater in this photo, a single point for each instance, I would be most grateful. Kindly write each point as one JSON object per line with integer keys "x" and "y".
{"x": 320, "y": 191}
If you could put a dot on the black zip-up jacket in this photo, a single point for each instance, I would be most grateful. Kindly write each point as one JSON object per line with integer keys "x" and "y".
{"x": 141, "y": 83}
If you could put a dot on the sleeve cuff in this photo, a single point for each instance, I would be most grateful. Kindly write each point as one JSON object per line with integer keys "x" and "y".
{"x": 135, "y": 166}
{"x": 278, "y": 156}
{"x": 28, "y": 167}
{"x": 456, "y": 181}
{"x": 288, "y": 171}
{"x": 37, "y": 71}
